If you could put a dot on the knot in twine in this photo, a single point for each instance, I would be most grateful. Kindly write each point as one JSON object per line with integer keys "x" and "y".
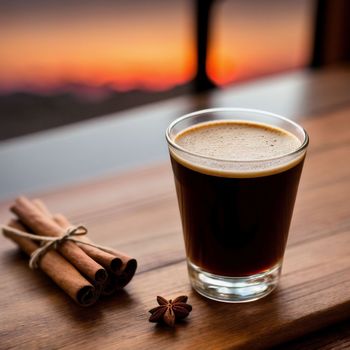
{"x": 55, "y": 242}
{"x": 49, "y": 242}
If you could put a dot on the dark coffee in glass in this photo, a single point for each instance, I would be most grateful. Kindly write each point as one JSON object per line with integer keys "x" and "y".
{"x": 236, "y": 180}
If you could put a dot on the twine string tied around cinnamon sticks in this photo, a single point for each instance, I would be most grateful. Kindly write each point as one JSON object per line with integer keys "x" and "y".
{"x": 48, "y": 243}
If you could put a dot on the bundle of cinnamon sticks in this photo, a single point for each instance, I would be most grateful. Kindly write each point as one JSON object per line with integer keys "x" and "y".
{"x": 83, "y": 271}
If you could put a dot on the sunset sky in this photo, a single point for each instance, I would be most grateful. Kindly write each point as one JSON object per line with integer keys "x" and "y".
{"x": 144, "y": 44}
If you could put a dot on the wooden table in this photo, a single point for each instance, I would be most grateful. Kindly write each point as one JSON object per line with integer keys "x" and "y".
{"x": 137, "y": 212}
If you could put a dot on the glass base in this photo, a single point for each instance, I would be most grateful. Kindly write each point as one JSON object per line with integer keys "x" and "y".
{"x": 233, "y": 289}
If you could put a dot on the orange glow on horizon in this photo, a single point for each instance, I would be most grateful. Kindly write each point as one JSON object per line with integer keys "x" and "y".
{"x": 148, "y": 49}
{"x": 125, "y": 52}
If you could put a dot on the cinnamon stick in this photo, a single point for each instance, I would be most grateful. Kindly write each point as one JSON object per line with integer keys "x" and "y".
{"x": 41, "y": 224}
{"x": 58, "y": 269}
{"x": 122, "y": 265}
{"x": 107, "y": 260}
{"x": 122, "y": 276}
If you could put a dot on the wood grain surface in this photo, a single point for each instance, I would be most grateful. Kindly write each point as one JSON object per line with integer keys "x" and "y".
{"x": 137, "y": 212}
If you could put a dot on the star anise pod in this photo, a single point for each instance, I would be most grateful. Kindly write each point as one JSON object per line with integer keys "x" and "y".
{"x": 170, "y": 311}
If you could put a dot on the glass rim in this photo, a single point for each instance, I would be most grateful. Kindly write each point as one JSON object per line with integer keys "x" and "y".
{"x": 302, "y": 147}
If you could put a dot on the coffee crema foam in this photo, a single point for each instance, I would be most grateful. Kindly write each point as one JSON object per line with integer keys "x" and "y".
{"x": 237, "y": 148}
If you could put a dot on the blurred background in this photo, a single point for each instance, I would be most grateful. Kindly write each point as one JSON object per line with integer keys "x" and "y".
{"x": 87, "y": 88}
{"x": 63, "y": 61}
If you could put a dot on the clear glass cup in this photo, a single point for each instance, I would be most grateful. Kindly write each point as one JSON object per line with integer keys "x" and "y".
{"x": 235, "y": 213}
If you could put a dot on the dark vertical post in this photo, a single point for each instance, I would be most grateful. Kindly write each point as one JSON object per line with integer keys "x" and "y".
{"x": 332, "y": 31}
{"x": 202, "y": 12}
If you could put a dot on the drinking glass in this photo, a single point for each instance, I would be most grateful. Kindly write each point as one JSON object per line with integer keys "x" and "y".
{"x": 235, "y": 213}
